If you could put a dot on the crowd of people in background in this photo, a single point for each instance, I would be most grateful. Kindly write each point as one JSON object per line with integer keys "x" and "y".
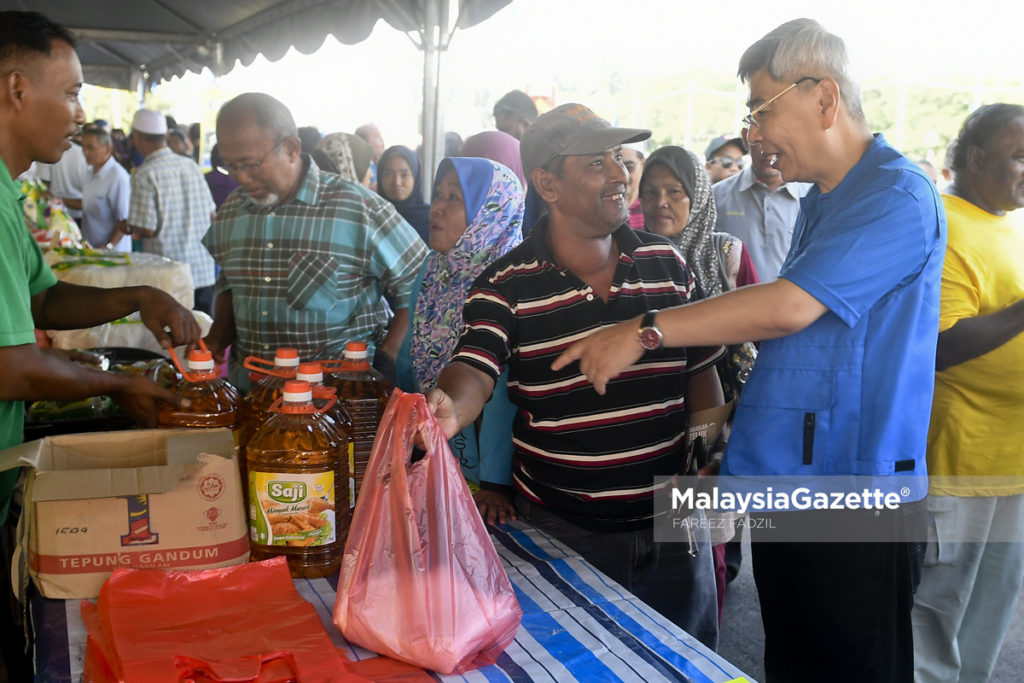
{"x": 661, "y": 271}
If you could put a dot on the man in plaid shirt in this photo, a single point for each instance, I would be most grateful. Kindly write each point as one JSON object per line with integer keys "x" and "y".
{"x": 308, "y": 260}
{"x": 171, "y": 206}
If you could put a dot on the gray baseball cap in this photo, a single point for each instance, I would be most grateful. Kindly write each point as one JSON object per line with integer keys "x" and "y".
{"x": 571, "y": 129}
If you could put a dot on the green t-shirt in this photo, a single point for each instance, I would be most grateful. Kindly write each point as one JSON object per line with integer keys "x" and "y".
{"x": 23, "y": 274}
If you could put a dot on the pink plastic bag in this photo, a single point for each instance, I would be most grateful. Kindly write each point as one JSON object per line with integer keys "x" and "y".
{"x": 420, "y": 579}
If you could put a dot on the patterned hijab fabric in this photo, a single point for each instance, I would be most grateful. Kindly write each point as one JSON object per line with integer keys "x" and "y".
{"x": 494, "y": 211}
{"x": 694, "y": 240}
{"x": 344, "y": 154}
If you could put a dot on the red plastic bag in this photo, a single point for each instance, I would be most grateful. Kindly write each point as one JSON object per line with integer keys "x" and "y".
{"x": 243, "y": 623}
{"x": 420, "y": 579}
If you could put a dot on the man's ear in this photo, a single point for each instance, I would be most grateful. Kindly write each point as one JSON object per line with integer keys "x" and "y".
{"x": 15, "y": 86}
{"x": 829, "y": 101}
{"x": 546, "y": 184}
{"x": 975, "y": 158}
{"x": 292, "y": 147}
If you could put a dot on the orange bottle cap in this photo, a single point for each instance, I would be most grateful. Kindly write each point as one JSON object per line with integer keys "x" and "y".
{"x": 356, "y": 349}
{"x": 297, "y": 391}
{"x": 286, "y": 358}
{"x": 310, "y": 372}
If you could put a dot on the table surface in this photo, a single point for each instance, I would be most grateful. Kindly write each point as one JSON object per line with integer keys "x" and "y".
{"x": 577, "y": 625}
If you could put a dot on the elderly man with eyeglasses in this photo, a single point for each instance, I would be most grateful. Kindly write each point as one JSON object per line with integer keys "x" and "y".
{"x": 308, "y": 260}
{"x": 843, "y": 385}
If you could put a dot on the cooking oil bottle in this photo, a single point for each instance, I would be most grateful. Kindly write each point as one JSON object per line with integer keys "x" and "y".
{"x": 213, "y": 402}
{"x": 313, "y": 372}
{"x": 365, "y": 393}
{"x": 298, "y": 488}
{"x": 255, "y": 407}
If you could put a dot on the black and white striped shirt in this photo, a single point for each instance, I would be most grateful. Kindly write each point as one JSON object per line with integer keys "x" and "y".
{"x": 591, "y": 458}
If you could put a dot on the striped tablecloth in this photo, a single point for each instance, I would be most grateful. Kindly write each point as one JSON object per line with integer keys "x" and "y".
{"x": 577, "y": 625}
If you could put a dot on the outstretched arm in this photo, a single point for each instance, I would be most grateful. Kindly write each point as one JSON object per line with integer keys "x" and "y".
{"x": 764, "y": 311}
{"x": 33, "y": 375}
{"x": 67, "y": 307}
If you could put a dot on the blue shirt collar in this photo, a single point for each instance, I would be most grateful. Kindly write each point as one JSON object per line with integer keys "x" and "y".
{"x": 850, "y": 184}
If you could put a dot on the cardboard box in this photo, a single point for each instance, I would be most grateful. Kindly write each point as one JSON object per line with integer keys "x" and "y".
{"x": 153, "y": 499}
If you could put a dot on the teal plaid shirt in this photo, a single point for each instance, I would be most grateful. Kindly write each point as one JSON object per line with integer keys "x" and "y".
{"x": 313, "y": 273}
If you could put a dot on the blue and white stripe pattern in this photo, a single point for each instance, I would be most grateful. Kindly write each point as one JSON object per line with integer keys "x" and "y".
{"x": 577, "y": 625}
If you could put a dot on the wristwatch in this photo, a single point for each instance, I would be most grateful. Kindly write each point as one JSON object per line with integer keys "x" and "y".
{"x": 649, "y": 335}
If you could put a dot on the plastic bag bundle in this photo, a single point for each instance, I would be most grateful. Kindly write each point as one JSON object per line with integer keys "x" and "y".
{"x": 420, "y": 579}
{"x": 244, "y": 623}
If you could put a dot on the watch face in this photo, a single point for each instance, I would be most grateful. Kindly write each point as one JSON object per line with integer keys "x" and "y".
{"x": 650, "y": 338}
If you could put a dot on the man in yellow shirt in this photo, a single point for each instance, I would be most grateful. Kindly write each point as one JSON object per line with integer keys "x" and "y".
{"x": 975, "y": 561}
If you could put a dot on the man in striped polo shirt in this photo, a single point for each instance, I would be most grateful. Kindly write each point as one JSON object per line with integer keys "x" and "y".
{"x": 585, "y": 463}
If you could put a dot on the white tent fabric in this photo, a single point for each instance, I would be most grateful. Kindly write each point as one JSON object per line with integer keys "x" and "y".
{"x": 123, "y": 41}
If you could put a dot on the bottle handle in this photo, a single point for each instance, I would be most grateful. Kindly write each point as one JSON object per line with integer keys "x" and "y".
{"x": 332, "y": 365}
{"x": 266, "y": 367}
{"x": 190, "y": 376}
{"x": 278, "y": 405}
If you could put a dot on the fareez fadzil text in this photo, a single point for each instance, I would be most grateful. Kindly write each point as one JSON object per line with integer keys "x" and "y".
{"x": 770, "y": 500}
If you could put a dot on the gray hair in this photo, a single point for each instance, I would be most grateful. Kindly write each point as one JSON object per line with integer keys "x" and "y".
{"x": 802, "y": 47}
{"x": 101, "y": 134}
{"x": 269, "y": 114}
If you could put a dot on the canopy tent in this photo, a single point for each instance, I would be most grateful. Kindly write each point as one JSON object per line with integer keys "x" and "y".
{"x": 123, "y": 43}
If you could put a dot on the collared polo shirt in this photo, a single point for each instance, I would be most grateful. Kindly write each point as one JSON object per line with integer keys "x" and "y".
{"x": 851, "y": 394}
{"x": 67, "y": 177}
{"x": 170, "y": 196}
{"x": 762, "y": 218}
{"x": 105, "y": 200}
{"x": 23, "y": 274}
{"x": 313, "y": 273}
{"x": 590, "y": 458}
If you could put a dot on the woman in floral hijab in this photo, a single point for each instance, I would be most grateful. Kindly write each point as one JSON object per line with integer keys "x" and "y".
{"x": 475, "y": 218}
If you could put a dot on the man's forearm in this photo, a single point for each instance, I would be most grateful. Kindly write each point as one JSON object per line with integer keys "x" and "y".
{"x": 70, "y": 307}
{"x": 396, "y": 333}
{"x": 222, "y": 331}
{"x": 970, "y": 338}
{"x": 33, "y": 375}
{"x": 138, "y": 231}
{"x": 704, "y": 390}
{"x": 468, "y": 388}
{"x": 764, "y": 311}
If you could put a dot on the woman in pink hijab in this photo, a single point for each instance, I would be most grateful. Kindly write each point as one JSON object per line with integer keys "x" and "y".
{"x": 496, "y": 146}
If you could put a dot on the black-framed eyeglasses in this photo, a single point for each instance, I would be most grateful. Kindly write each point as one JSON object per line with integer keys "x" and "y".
{"x": 235, "y": 169}
{"x": 751, "y": 119}
{"x": 727, "y": 162}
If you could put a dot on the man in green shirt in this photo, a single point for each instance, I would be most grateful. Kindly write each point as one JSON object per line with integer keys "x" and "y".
{"x": 40, "y": 77}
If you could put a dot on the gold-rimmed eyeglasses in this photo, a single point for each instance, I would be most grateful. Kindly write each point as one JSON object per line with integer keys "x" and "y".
{"x": 235, "y": 169}
{"x": 751, "y": 119}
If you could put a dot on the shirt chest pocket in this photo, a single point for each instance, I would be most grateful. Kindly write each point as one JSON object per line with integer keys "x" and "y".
{"x": 312, "y": 282}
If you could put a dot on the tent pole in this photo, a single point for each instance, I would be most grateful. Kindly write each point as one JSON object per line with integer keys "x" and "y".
{"x": 433, "y": 127}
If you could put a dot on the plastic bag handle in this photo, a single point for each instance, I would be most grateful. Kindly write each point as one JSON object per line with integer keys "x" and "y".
{"x": 413, "y": 411}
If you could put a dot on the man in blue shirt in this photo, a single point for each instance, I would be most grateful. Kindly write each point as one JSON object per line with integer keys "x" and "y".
{"x": 844, "y": 384}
